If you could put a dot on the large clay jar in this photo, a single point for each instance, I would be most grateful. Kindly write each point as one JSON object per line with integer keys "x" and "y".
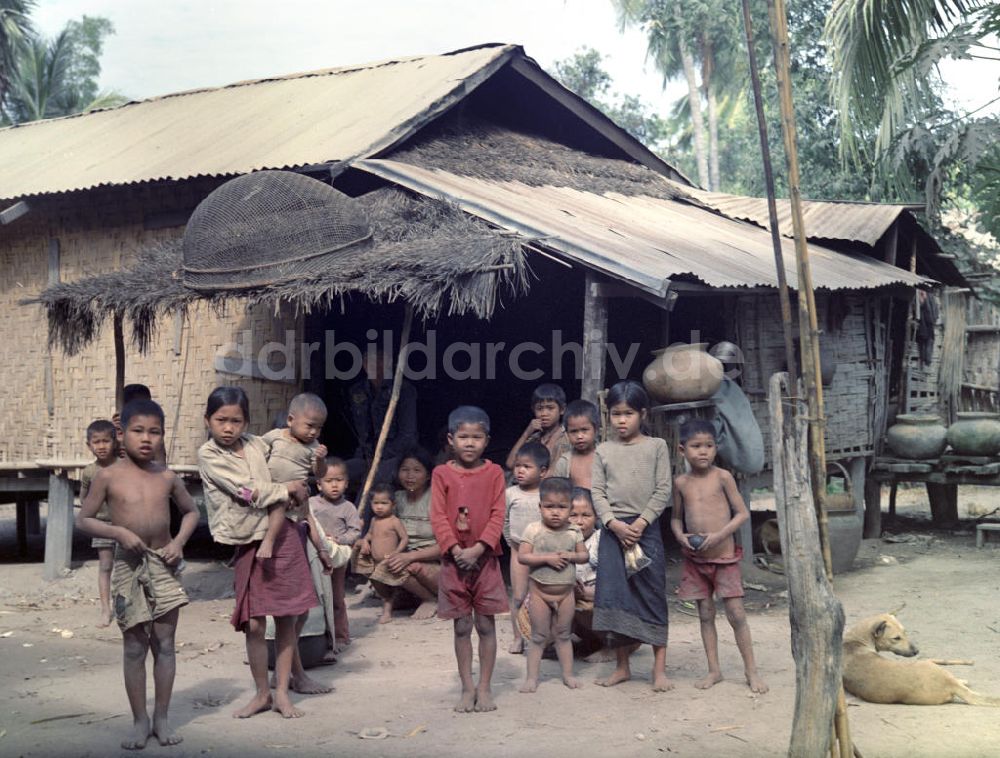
{"x": 682, "y": 373}
{"x": 917, "y": 436}
{"x": 975, "y": 433}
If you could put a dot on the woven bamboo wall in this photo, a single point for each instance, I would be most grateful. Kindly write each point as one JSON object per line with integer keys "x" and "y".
{"x": 922, "y": 382}
{"x": 981, "y": 376}
{"x": 849, "y": 399}
{"x": 180, "y": 367}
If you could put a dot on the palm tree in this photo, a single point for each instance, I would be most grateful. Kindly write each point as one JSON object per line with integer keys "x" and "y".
{"x": 15, "y": 28}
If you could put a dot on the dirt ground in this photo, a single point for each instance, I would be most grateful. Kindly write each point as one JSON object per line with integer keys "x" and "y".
{"x": 61, "y": 690}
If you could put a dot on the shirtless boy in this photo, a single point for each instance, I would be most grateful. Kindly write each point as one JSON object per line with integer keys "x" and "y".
{"x": 385, "y": 536}
{"x": 146, "y": 592}
{"x": 582, "y": 420}
{"x": 708, "y": 510}
{"x": 101, "y": 441}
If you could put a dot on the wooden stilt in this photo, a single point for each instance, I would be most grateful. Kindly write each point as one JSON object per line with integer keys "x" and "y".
{"x": 390, "y": 411}
{"x": 595, "y": 339}
{"x": 119, "y": 362}
{"x": 59, "y": 527}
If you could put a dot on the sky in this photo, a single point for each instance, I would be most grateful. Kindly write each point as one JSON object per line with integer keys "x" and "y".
{"x": 175, "y": 45}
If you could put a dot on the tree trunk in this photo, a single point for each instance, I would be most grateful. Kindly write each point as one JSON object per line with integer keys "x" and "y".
{"x": 707, "y": 69}
{"x": 817, "y": 619}
{"x": 694, "y": 101}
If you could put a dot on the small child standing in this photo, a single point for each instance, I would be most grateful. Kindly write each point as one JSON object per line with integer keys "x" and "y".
{"x": 386, "y": 534}
{"x": 550, "y": 548}
{"x": 294, "y": 455}
{"x": 340, "y": 520}
{"x": 547, "y": 404}
{"x": 530, "y": 466}
{"x": 147, "y": 592}
{"x": 102, "y": 443}
{"x": 708, "y": 510}
{"x": 583, "y": 515}
{"x": 631, "y": 481}
{"x": 467, "y": 512}
{"x": 581, "y": 420}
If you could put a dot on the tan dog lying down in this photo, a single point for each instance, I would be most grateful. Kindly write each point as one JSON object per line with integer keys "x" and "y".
{"x": 882, "y": 680}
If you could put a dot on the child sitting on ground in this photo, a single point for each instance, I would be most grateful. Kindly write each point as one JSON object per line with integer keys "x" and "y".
{"x": 581, "y": 421}
{"x": 550, "y": 548}
{"x": 102, "y": 443}
{"x": 547, "y": 404}
{"x": 530, "y": 466}
{"x": 708, "y": 510}
{"x": 339, "y": 519}
{"x": 385, "y": 536}
{"x": 295, "y": 455}
{"x": 467, "y": 510}
{"x": 147, "y": 592}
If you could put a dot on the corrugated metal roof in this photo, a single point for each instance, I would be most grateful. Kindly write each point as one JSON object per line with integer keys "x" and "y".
{"x": 856, "y": 222}
{"x": 640, "y": 239}
{"x": 297, "y": 120}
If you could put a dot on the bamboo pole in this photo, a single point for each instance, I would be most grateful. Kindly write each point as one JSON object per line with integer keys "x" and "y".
{"x": 119, "y": 362}
{"x": 809, "y": 341}
{"x": 390, "y": 411}
{"x": 772, "y": 207}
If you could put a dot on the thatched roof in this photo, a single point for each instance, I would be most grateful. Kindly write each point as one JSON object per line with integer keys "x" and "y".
{"x": 425, "y": 252}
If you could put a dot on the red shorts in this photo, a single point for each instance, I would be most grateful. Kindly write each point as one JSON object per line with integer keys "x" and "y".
{"x": 481, "y": 590}
{"x": 702, "y": 580}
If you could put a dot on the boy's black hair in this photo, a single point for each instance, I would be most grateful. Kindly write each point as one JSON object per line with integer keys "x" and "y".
{"x": 333, "y": 461}
{"x": 100, "y": 425}
{"x": 141, "y": 408}
{"x": 537, "y": 452}
{"x": 135, "y": 392}
{"x": 382, "y": 488}
{"x": 544, "y": 392}
{"x": 696, "y": 426}
{"x": 468, "y": 414}
{"x": 556, "y": 485}
{"x": 584, "y": 409}
{"x": 582, "y": 493}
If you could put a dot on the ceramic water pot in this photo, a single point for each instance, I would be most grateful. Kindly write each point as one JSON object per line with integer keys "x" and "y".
{"x": 975, "y": 433}
{"x": 682, "y": 373}
{"x": 916, "y": 436}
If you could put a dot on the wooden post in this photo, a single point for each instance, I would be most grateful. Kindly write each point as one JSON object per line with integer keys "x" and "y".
{"x": 745, "y": 536}
{"x": 59, "y": 527}
{"x": 21, "y": 525}
{"x": 390, "y": 411}
{"x": 119, "y": 362}
{"x": 873, "y": 509}
{"x": 817, "y": 618}
{"x": 595, "y": 339}
{"x": 814, "y": 700}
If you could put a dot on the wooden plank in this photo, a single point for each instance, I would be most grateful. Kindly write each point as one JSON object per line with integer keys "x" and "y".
{"x": 980, "y": 328}
{"x": 595, "y": 338}
{"x": 14, "y": 212}
{"x": 34, "y": 485}
{"x": 58, "y": 527}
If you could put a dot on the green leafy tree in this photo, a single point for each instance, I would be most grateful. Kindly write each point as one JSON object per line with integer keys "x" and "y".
{"x": 15, "y": 29}
{"x": 58, "y": 76}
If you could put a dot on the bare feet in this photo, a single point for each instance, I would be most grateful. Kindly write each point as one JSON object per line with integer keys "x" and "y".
{"x": 257, "y": 705}
{"x": 163, "y": 734}
{"x": 105, "y": 617}
{"x": 284, "y": 706}
{"x": 710, "y": 679}
{"x": 617, "y": 677}
{"x": 426, "y": 610}
{"x": 468, "y": 702}
{"x": 341, "y": 644}
{"x": 662, "y": 684}
{"x": 140, "y": 734}
{"x": 756, "y": 683}
{"x": 517, "y": 647}
{"x": 265, "y": 550}
{"x": 484, "y": 700}
{"x": 572, "y": 682}
{"x": 330, "y": 656}
{"x": 386, "y": 617}
{"x": 601, "y": 656}
{"x": 530, "y": 685}
{"x": 306, "y": 685}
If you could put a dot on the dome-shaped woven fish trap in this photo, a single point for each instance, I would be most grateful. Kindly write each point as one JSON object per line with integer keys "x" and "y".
{"x": 269, "y": 227}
